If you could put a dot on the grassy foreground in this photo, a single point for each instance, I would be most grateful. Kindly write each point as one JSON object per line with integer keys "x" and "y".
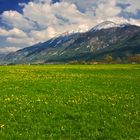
{"x": 66, "y": 102}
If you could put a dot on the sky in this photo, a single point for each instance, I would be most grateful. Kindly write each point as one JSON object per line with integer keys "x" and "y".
{"x": 26, "y": 22}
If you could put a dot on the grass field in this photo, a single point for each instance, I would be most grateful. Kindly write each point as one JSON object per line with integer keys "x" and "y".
{"x": 70, "y": 102}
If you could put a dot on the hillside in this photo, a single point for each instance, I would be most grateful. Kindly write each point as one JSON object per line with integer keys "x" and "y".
{"x": 104, "y": 39}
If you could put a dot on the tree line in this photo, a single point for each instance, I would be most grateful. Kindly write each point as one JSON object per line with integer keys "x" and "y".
{"x": 109, "y": 59}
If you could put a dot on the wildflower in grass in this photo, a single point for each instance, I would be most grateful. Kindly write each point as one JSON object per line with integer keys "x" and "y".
{"x": 38, "y": 100}
{"x": 7, "y": 99}
{"x": 46, "y": 103}
{"x": 2, "y": 125}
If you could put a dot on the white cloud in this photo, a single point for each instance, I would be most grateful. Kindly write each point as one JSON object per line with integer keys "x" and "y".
{"x": 53, "y": 20}
{"x": 40, "y": 13}
{"x": 134, "y": 5}
{"x": 3, "y": 32}
{"x": 8, "y": 49}
{"x": 43, "y": 35}
{"x": 58, "y": 14}
{"x": 17, "y": 20}
{"x": 15, "y": 32}
{"x": 107, "y": 10}
{"x": 50, "y": 32}
{"x": 134, "y": 22}
{"x": 84, "y": 4}
{"x": 21, "y": 41}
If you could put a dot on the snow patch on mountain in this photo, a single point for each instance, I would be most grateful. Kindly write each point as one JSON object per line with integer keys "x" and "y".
{"x": 108, "y": 25}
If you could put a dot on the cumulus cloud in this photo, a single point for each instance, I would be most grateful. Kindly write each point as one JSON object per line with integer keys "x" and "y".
{"x": 8, "y": 49}
{"x": 17, "y": 20}
{"x": 107, "y": 9}
{"x": 40, "y": 13}
{"x": 58, "y": 14}
{"x": 133, "y": 5}
{"x": 84, "y": 5}
{"x": 42, "y": 35}
{"x": 134, "y": 22}
{"x": 21, "y": 41}
{"x": 15, "y": 32}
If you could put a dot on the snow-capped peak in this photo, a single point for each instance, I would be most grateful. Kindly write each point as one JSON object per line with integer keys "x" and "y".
{"x": 74, "y": 31}
{"x": 107, "y": 25}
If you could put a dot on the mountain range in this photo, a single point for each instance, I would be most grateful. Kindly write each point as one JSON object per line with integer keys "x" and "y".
{"x": 107, "y": 38}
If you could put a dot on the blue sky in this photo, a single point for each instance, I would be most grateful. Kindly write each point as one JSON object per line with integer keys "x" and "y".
{"x": 14, "y": 5}
{"x": 8, "y": 5}
{"x": 27, "y": 22}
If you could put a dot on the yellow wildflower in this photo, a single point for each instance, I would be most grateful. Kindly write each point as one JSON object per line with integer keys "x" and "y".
{"x": 7, "y": 99}
{"x": 1, "y": 125}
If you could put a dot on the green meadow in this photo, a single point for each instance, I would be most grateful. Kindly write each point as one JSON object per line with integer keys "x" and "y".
{"x": 70, "y": 102}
